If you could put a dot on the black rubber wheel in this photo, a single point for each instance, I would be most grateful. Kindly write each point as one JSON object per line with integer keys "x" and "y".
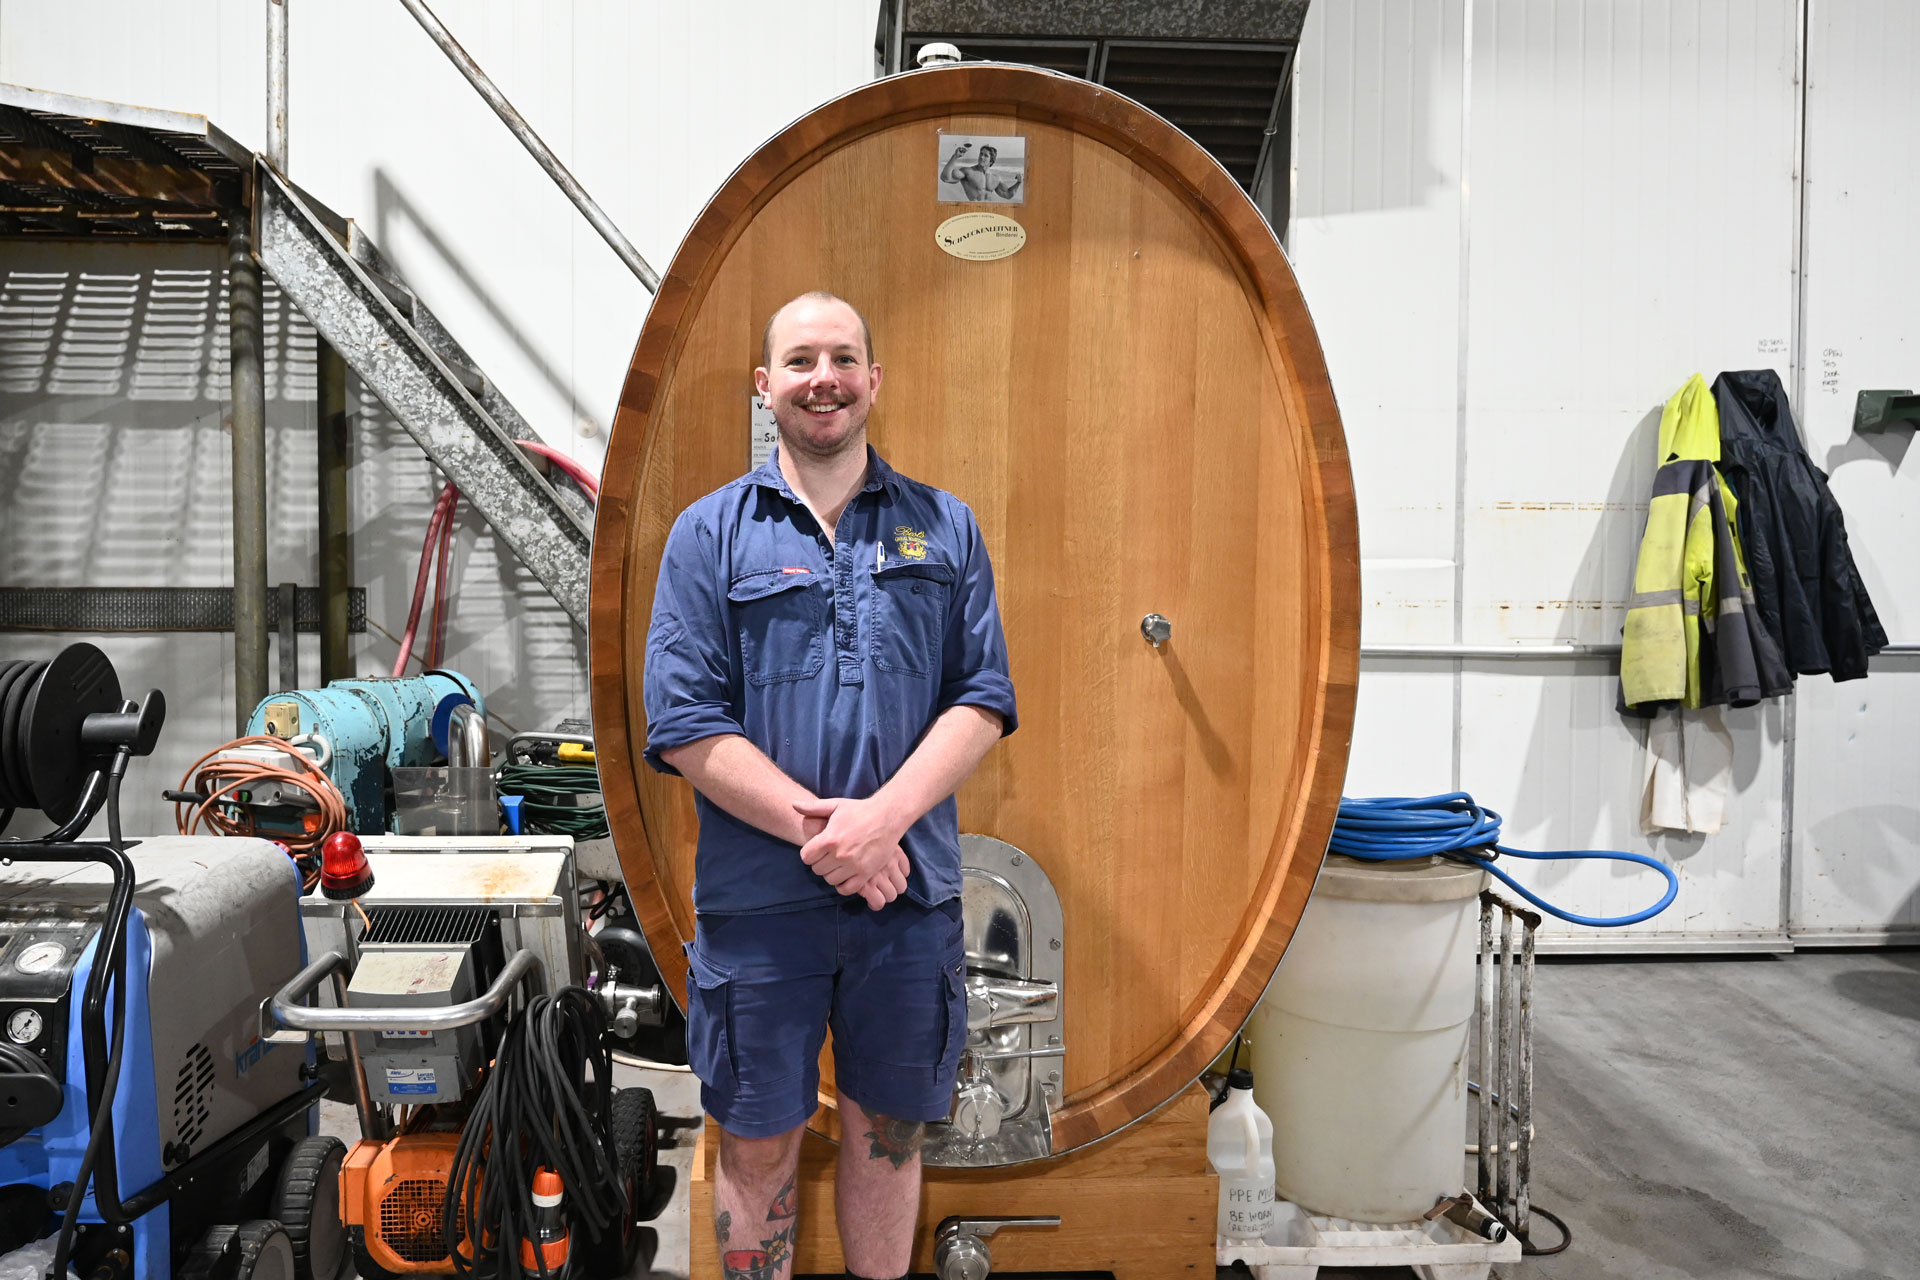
{"x": 636, "y": 1140}
{"x": 265, "y": 1251}
{"x": 363, "y": 1263}
{"x": 208, "y": 1259}
{"x": 307, "y": 1203}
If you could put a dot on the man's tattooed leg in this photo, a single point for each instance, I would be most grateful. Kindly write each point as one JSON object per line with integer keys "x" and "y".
{"x": 764, "y": 1263}
{"x": 895, "y": 1140}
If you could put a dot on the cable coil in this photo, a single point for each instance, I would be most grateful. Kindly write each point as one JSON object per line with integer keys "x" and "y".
{"x": 539, "y": 1107}
{"x": 216, "y": 783}
{"x": 1403, "y": 828}
{"x": 551, "y": 793}
{"x": 17, "y": 680}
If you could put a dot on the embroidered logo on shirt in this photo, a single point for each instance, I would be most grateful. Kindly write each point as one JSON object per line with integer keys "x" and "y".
{"x": 911, "y": 544}
{"x": 796, "y": 571}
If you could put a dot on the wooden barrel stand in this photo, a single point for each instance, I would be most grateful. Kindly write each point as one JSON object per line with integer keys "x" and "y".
{"x": 1140, "y": 1204}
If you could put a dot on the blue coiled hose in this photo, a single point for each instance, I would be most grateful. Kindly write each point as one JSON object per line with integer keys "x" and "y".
{"x": 1399, "y": 828}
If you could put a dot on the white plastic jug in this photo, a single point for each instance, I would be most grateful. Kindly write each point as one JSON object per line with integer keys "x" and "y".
{"x": 1240, "y": 1149}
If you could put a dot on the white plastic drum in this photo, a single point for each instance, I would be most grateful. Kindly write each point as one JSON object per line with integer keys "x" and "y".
{"x": 1360, "y": 1045}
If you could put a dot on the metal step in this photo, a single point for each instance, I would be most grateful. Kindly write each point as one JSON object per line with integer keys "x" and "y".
{"x": 407, "y": 359}
{"x": 453, "y": 355}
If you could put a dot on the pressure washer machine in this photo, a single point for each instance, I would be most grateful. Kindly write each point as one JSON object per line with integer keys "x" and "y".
{"x": 204, "y": 1111}
{"x": 146, "y": 1128}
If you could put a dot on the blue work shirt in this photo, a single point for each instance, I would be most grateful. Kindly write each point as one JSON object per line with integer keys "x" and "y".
{"x": 832, "y": 657}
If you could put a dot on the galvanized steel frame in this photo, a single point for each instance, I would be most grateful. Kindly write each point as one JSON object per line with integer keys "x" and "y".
{"x": 1503, "y": 1021}
{"x": 396, "y": 362}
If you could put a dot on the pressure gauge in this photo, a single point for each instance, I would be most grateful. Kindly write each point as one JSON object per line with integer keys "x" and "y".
{"x": 24, "y": 1026}
{"x": 40, "y": 957}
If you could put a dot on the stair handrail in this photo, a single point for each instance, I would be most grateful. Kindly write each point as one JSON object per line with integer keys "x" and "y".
{"x": 517, "y": 123}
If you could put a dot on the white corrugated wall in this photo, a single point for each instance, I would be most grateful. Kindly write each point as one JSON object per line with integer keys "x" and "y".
{"x": 1856, "y": 824}
{"x": 1521, "y": 227}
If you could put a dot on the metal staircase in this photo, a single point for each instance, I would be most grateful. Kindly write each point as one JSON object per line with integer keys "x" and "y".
{"x": 336, "y": 276}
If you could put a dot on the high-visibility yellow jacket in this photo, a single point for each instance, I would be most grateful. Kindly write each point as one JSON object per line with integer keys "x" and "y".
{"x": 1691, "y": 635}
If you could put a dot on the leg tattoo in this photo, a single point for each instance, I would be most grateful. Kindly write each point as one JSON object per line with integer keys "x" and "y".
{"x": 784, "y": 1205}
{"x": 762, "y": 1263}
{"x": 895, "y": 1140}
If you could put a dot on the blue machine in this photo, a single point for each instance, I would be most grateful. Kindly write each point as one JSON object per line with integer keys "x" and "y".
{"x": 370, "y": 728}
{"x": 205, "y": 1112}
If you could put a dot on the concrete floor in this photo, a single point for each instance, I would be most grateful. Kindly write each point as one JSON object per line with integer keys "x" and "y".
{"x": 1718, "y": 1119}
{"x": 1730, "y": 1118}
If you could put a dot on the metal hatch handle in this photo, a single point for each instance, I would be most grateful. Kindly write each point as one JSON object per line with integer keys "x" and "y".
{"x": 291, "y": 1010}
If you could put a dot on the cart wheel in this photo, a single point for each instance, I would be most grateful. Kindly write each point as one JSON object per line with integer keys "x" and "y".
{"x": 636, "y": 1140}
{"x": 204, "y": 1260}
{"x": 307, "y": 1203}
{"x": 265, "y": 1251}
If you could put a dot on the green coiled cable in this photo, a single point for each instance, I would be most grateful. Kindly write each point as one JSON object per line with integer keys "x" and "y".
{"x": 552, "y": 796}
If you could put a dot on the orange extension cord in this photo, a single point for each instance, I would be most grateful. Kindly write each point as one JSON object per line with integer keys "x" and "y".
{"x": 217, "y": 780}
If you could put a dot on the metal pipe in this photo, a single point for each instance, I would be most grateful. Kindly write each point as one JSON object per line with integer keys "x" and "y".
{"x": 1491, "y": 651}
{"x": 1483, "y": 1015}
{"x": 1516, "y": 652}
{"x": 288, "y": 1010}
{"x": 531, "y": 141}
{"x": 289, "y": 638}
{"x": 1505, "y": 1156}
{"x": 373, "y": 1122}
{"x": 1523, "y": 1157}
{"x": 248, "y": 398}
{"x": 467, "y": 738}
{"x": 336, "y": 541}
{"x": 277, "y": 84}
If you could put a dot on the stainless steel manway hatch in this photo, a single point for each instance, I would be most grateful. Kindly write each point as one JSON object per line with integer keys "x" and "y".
{"x": 1012, "y": 1069}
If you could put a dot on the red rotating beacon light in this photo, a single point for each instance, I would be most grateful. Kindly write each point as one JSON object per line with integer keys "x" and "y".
{"x": 344, "y": 871}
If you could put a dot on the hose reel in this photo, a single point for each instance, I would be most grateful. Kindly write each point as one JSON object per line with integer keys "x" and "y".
{"x": 61, "y": 722}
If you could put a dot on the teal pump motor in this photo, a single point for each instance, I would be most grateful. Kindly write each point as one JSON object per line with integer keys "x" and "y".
{"x": 370, "y": 727}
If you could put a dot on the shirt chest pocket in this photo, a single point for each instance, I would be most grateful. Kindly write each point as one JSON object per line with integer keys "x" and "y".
{"x": 909, "y": 616}
{"x": 781, "y": 619}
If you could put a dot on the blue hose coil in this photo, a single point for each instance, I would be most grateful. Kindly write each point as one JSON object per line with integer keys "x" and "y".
{"x": 1401, "y": 828}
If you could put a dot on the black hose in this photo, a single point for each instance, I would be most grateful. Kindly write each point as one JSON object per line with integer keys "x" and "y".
{"x": 1566, "y": 1236}
{"x": 17, "y": 679}
{"x": 539, "y": 1107}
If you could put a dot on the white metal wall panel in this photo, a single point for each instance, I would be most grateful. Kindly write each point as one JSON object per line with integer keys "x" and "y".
{"x": 1632, "y": 219}
{"x": 1375, "y": 241}
{"x": 1856, "y": 819}
{"x": 1632, "y": 222}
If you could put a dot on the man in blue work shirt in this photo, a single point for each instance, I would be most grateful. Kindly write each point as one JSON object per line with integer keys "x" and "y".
{"x": 826, "y": 666}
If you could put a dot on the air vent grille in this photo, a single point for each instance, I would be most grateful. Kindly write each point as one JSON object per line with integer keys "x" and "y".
{"x": 192, "y": 1089}
{"x": 1222, "y": 96}
{"x": 426, "y": 926}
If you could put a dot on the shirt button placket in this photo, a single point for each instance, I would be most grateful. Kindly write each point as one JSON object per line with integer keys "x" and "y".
{"x": 845, "y": 613}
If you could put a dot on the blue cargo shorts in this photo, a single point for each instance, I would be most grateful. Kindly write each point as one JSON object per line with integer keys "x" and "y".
{"x": 763, "y": 989}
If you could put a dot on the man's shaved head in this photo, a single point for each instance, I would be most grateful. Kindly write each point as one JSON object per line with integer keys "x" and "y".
{"x": 812, "y": 295}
